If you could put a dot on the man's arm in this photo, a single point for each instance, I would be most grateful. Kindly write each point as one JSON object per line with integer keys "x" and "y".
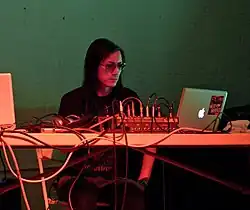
{"x": 72, "y": 103}
{"x": 147, "y": 165}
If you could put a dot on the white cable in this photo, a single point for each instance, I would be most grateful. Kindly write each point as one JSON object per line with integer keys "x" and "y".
{"x": 97, "y": 137}
{"x": 18, "y": 171}
{"x": 158, "y": 141}
{"x": 131, "y": 99}
{"x": 146, "y": 145}
{"x": 21, "y": 180}
{"x": 51, "y": 176}
{"x": 170, "y": 134}
{"x": 71, "y": 188}
{"x": 60, "y": 169}
{"x": 99, "y": 123}
{"x": 18, "y": 175}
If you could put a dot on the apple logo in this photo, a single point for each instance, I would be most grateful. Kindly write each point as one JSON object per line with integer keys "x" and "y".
{"x": 201, "y": 113}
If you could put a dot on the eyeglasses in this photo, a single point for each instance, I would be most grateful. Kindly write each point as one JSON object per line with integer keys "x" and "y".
{"x": 110, "y": 67}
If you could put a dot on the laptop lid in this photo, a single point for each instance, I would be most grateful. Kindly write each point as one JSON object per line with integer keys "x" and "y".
{"x": 7, "y": 112}
{"x": 198, "y": 108}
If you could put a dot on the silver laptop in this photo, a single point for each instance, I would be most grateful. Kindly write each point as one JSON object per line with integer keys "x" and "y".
{"x": 201, "y": 108}
{"x": 7, "y": 112}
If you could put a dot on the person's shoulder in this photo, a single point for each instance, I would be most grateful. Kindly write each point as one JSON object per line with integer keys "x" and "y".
{"x": 71, "y": 102}
{"x": 75, "y": 93}
{"x": 73, "y": 97}
{"x": 127, "y": 92}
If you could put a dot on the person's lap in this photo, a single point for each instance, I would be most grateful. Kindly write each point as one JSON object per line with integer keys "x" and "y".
{"x": 134, "y": 195}
{"x": 86, "y": 194}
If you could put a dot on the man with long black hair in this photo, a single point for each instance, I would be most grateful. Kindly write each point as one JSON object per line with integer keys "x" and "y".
{"x": 104, "y": 64}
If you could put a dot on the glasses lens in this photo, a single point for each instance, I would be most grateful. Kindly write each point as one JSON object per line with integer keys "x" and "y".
{"x": 110, "y": 67}
{"x": 121, "y": 66}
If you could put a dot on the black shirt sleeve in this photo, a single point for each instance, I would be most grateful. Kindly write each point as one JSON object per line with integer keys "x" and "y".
{"x": 63, "y": 109}
{"x": 72, "y": 103}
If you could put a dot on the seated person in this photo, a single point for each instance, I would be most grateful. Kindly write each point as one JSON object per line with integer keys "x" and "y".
{"x": 104, "y": 64}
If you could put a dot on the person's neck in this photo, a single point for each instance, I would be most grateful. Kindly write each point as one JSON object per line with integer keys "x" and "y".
{"x": 104, "y": 91}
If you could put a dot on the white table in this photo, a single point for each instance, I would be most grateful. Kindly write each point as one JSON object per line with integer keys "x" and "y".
{"x": 68, "y": 139}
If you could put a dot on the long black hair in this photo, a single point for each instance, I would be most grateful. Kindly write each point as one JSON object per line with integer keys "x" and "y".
{"x": 99, "y": 50}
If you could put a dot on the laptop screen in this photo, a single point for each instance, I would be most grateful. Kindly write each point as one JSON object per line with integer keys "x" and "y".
{"x": 200, "y": 108}
{"x": 7, "y": 112}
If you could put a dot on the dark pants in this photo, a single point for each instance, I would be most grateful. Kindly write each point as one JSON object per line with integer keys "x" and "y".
{"x": 86, "y": 194}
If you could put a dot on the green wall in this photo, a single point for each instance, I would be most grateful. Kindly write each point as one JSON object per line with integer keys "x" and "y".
{"x": 170, "y": 44}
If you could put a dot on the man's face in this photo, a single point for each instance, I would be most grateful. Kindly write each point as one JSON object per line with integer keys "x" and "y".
{"x": 110, "y": 69}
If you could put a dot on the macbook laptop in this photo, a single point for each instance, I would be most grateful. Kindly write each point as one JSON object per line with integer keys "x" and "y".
{"x": 7, "y": 112}
{"x": 201, "y": 108}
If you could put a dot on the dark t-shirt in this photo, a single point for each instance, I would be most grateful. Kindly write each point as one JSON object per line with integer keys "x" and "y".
{"x": 81, "y": 102}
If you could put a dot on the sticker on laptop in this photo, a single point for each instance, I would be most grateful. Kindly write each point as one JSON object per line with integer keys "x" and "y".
{"x": 215, "y": 105}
